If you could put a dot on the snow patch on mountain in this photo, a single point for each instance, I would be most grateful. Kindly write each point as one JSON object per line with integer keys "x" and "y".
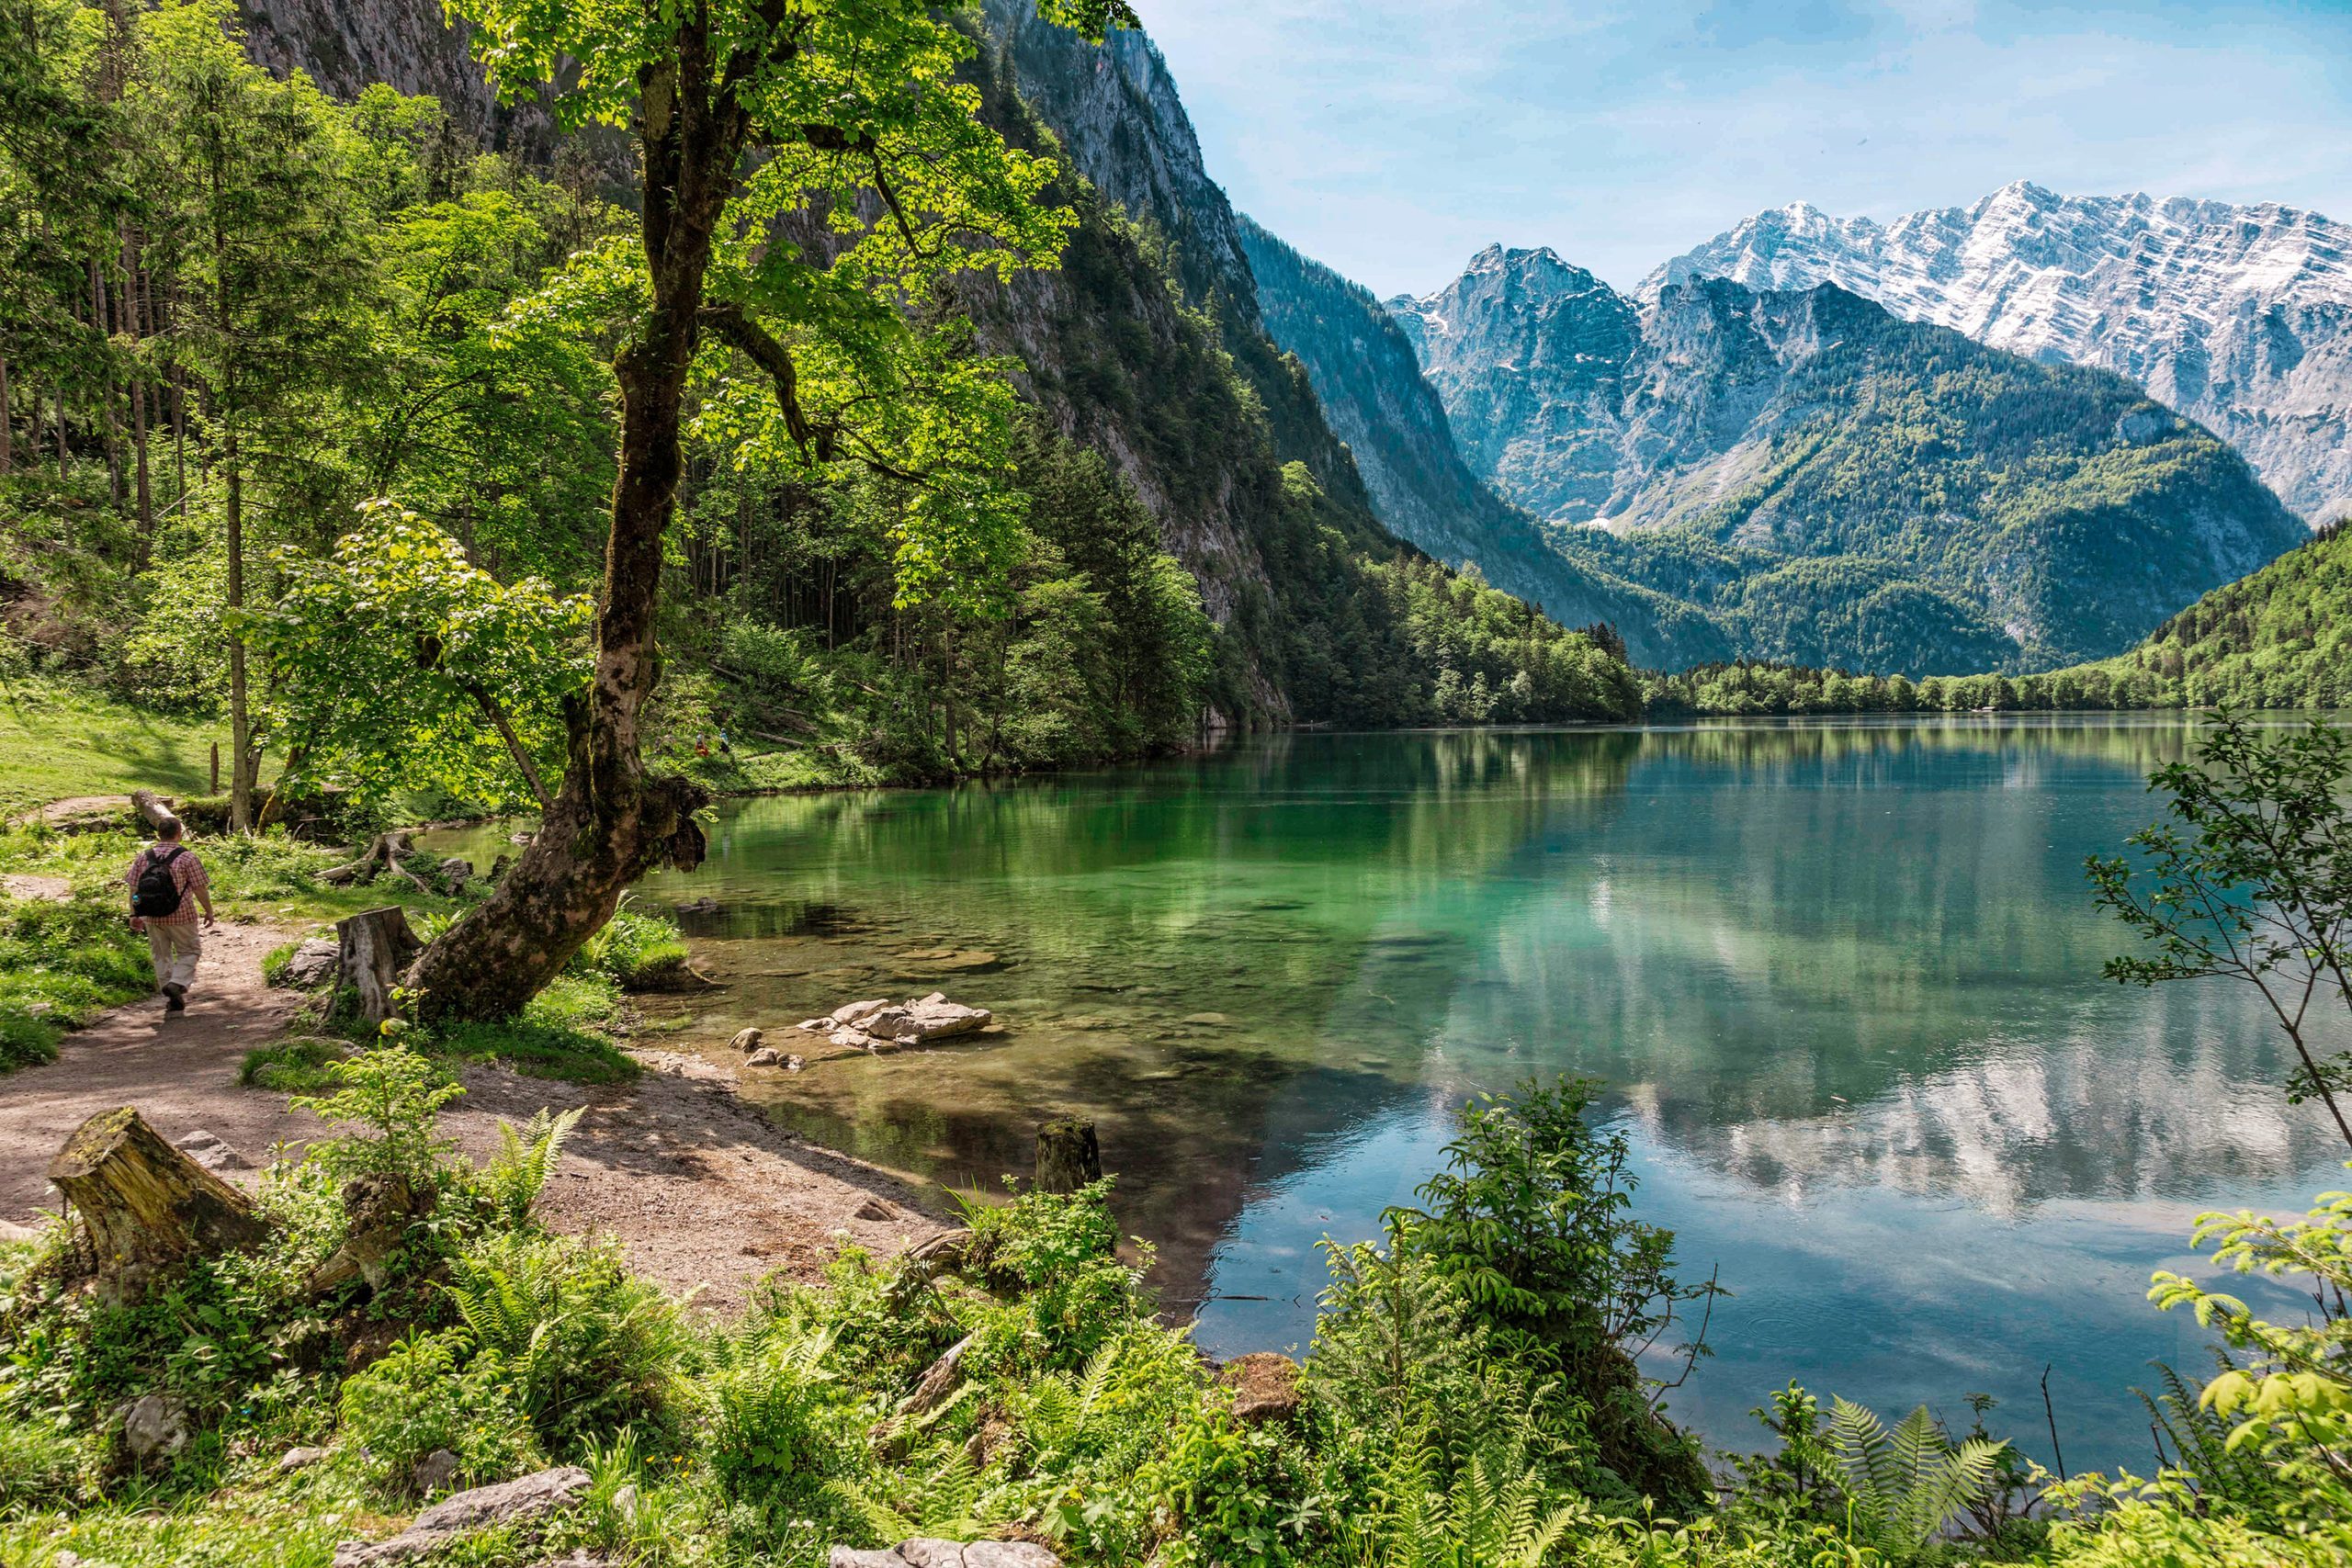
{"x": 2239, "y": 317}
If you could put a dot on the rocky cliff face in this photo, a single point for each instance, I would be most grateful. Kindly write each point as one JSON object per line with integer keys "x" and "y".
{"x": 346, "y": 44}
{"x": 2240, "y": 317}
{"x": 1528, "y": 355}
{"x": 1366, "y": 375}
{"x": 1831, "y": 484}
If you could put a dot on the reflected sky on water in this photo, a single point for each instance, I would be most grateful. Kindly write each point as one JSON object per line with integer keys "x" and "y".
{"x": 1841, "y": 978}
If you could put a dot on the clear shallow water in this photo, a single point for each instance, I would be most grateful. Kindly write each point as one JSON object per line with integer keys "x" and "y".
{"x": 1841, "y": 976}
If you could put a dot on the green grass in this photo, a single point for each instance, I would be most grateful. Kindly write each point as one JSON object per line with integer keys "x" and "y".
{"x": 62, "y": 965}
{"x": 58, "y": 741}
{"x": 557, "y": 1036}
{"x": 292, "y": 1066}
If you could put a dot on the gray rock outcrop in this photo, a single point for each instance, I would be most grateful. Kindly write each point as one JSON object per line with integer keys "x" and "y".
{"x": 520, "y": 1502}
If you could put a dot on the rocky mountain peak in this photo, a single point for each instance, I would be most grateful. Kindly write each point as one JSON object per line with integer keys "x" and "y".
{"x": 2238, "y": 316}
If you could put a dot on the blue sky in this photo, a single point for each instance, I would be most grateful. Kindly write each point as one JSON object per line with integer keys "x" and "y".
{"x": 1391, "y": 137}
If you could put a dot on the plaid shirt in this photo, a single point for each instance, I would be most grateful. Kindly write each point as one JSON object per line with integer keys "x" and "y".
{"x": 187, "y": 875}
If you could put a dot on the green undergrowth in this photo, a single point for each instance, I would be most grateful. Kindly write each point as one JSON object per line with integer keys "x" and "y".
{"x": 63, "y": 963}
{"x": 1024, "y": 1387}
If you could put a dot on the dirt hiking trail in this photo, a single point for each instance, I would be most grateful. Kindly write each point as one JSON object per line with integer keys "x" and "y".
{"x": 700, "y": 1189}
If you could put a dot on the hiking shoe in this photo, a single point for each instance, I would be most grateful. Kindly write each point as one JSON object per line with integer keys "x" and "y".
{"x": 176, "y": 999}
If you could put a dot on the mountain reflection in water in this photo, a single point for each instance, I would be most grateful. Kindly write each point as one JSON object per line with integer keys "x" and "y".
{"x": 1841, "y": 976}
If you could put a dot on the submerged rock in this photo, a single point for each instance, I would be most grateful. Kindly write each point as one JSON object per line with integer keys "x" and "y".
{"x": 883, "y": 1025}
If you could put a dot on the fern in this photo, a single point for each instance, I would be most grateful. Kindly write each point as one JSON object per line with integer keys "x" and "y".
{"x": 1498, "y": 1512}
{"x": 2200, "y": 1446}
{"x": 946, "y": 1500}
{"x": 586, "y": 1344}
{"x": 1905, "y": 1483}
{"x": 513, "y": 1180}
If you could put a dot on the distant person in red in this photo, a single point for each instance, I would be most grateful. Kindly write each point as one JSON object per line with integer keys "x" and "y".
{"x": 167, "y": 886}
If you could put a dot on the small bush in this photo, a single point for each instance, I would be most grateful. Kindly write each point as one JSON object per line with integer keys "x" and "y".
{"x": 635, "y": 952}
{"x": 775, "y": 1413}
{"x": 429, "y": 1394}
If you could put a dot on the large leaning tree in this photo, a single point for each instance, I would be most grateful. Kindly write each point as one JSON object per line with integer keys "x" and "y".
{"x": 815, "y": 174}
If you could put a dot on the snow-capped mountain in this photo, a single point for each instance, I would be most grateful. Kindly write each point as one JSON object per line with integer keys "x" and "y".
{"x": 1828, "y": 483}
{"x": 2239, "y": 317}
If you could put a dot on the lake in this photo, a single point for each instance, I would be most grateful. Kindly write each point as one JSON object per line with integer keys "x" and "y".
{"x": 1840, "y": 977}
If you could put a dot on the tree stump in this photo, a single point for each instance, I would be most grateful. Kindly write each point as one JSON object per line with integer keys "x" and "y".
{"x": 1068, "y": 1157}
{"x": 375, "y": 950}
{"x": 378, "y": 1210}
{"x": 146, "y": 1205}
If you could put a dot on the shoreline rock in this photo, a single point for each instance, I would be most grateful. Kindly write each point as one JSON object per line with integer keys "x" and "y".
{"x": 881, "y": 1025}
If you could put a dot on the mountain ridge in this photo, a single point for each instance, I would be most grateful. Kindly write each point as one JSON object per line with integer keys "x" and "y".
{"x": 2239, "y": 316}
{"x": 1831, "y": 484}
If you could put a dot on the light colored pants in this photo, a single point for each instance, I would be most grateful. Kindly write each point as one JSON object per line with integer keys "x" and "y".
{"x": 174, "y": 946}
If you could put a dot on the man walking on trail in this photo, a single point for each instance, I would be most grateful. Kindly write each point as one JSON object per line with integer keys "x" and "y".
{"x": 167, "y": 885}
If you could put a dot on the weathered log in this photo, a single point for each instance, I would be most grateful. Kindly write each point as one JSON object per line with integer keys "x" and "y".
{"x": 374, "y": 951}
{"x": 145, "y": 1205}
{"x": 153, "y": 808}
{"x": 1067, "y": 1156}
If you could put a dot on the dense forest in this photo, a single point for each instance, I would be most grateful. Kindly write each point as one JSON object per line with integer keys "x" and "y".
{"x": 2278, "y": 639}
{"x": 237, "y": 308}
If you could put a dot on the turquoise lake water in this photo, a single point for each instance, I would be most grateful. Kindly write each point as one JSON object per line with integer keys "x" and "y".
{"x": 1841, "y": 978}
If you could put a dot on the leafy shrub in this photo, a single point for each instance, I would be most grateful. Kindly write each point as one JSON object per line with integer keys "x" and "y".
{"x": 1060, "y": 1252}
{"x": 587, "y": 1348}
{"x": 1221, "y": 1487}
{"x": 397, "y": 1095}
{"x": 428, "y": 1393}
{"x": 1531, "y": 1220}
{"x": 775, "y": 1412}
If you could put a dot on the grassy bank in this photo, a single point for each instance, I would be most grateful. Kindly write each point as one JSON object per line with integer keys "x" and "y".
{"x": 58, "y": 741}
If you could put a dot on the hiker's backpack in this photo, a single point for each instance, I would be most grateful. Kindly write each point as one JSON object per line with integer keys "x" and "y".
{"x": 158, "y": 893}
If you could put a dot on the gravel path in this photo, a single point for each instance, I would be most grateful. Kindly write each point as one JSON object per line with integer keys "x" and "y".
{"x": 701, "y": 1191}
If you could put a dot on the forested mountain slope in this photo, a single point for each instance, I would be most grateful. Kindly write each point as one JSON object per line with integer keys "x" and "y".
{"x": 1833, "y": 485}
{"x": 2238, "y": 316}
{"x": 1369, "y": 382}
{"x": 2280, "y": 637}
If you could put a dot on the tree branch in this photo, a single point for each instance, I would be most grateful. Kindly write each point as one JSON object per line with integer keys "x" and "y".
{"x": 730, "y": 322}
